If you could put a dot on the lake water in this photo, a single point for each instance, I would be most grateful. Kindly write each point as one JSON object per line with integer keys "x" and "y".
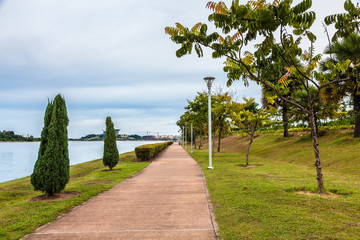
{"x": 17, "y": 159}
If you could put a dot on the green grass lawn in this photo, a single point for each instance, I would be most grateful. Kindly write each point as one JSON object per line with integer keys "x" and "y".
{"x": 263, "y": 201}
{"x": 19, "y": 217}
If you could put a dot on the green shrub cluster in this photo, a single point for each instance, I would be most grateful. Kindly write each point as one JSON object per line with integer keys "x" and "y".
{"x": 148, "y": 151}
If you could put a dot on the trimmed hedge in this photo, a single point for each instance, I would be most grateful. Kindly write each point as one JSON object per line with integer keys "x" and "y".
{"x": 148, "y": 151}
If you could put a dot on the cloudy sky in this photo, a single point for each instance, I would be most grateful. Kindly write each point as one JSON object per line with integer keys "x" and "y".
{"x": 108, "y": 58}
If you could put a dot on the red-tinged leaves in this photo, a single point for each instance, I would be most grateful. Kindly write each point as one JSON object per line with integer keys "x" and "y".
{"x": 196, "y": 27}
{"x": 220, "y": 39}
{"x": 171, "y": 31}
{"x": 236, "y": 36}
{"x": 276, "y": 2}
{"x": 219, "y": 7}
{"x": 284, "y": 79}
{"x": 180, "y": 28}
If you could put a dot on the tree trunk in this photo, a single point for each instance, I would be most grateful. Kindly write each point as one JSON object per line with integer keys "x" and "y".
{"x": 48, "y": 195}
{"x": 213, "y": 143}
{"x": 319, "y": 174}
{"x": 356, "y": 99}
{"x": 316, "y": 124}
{"x": 285, "y": 118}
{"x": 200, "y": 144}
{"x": 248, "y": 148}
{"x": 194, "y": 139}
{"x": 219, "y": 139}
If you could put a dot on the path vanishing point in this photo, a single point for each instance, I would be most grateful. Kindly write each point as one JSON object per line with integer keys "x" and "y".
{"x": 167, "y": 200}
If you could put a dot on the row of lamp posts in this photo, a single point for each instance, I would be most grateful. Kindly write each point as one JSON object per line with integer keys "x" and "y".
{"x": 209, "y": 81}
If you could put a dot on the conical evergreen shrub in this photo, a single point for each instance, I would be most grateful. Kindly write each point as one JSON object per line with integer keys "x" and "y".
{"x": 51, "y": 170}
{"x": 111, "y": 153}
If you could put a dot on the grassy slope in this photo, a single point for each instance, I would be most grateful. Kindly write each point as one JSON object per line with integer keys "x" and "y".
{"x": 261, "y": 202}
{"x": 19, "y": 217}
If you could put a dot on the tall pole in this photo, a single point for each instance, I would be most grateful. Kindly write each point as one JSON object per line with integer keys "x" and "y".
{"x": 185, "y": 135}
{"x": 209, "y": 81}
{"x": 192, "y": 138}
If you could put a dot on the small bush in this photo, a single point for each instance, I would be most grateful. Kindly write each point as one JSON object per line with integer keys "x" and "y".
{"x": 148, "y": 151}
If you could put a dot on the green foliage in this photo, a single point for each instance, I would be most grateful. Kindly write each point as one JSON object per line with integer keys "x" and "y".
{"x": 10, "y": 136}
{"x": 322, "y": 111}
{"x": 345, "y": 23}
{"x": 111, "y": 153}
{"x": 51, "y": 170}
{"x": 135, "y": 136}
{"x": 148, "y": 151}
{"x": 247, "y": 117}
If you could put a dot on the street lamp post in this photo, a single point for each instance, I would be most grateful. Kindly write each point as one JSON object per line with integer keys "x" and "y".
{"x": 185, "y": 135}
{"x": 192, "y": 138}
{"x": 209, "y": 81}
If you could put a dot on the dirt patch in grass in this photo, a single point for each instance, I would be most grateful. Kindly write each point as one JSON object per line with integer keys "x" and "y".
{"x": 249, "y": 166}
{"x": 108, "y": 170}
{"x": 324, "y": 195}
{"x": 56, "y": 197}
{"x": 97, "y": 182}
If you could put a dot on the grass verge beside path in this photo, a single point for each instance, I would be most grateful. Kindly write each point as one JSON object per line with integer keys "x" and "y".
{"x": 19, "y": 217}
{"x": 263, "y": 201}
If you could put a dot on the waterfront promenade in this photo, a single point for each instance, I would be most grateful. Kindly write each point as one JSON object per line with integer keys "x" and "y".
{"x": 167, "y": 200}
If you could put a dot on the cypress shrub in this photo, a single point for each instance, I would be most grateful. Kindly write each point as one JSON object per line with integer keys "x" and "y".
{"x": 51, "y": 170}
{"x": 111, "y": 153}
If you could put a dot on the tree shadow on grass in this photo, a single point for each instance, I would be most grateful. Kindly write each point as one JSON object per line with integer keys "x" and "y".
{"x": 56, "y": 197}
{"x": 108, "y": 170}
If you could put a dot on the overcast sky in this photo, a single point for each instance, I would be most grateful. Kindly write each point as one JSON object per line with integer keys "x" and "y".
{"x": 108, "y": 58}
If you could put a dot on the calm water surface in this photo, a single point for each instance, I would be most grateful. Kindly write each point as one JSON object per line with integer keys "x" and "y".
{"x": 17, "y": 159}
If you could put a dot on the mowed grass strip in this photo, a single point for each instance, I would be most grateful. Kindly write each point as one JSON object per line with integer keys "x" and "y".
{"x": 263, "y": 201}
{"x": 19, "y": 217}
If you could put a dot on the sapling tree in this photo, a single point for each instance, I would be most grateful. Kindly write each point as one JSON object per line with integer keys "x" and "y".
{"x": 249, "y": 119}
{"x": 275, "y": 29}
{"x": 51, "y": 170}
{"x": 111, "y": 153}
{"x": 221, "y": 114}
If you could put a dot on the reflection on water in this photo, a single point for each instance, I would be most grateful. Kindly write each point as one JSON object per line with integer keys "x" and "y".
{"x": 17, "y": 159}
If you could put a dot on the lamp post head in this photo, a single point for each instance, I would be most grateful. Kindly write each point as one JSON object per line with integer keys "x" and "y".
{"x": 209, "y": 81}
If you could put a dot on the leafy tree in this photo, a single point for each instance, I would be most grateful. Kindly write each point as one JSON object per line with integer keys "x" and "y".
{"x": 272, "y": 69}
{"x": 135, "y": 136}
{"x": 241, "y": 25}
{"x": 249, "y": 119}
{"x": 51, "y": 170}
{"x": 221, "y": 113}
{"x": 196, "y": 112}
{"x": 111, "y": 153}
{"x": 340, "y": 51}
{"x": 321, "y": 110}
{"x": 11, "y": 137}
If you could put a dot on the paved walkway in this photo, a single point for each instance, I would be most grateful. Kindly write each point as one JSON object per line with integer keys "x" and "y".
{"x": 167, "y": 200}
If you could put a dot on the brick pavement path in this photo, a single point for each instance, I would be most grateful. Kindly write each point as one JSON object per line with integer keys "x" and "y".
{"x": 167, "y": 200}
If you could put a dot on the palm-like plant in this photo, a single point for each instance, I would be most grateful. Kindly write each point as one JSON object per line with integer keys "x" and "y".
{"x": 340, "y": 51}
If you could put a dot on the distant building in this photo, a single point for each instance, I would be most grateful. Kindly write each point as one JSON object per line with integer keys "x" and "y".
{"x": 148, "y": 138}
